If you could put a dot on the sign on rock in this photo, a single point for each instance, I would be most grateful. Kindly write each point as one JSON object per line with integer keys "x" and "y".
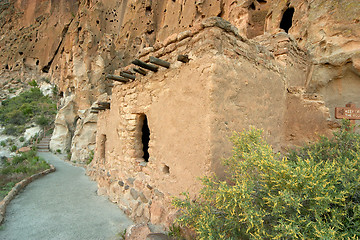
{"x": 349, "y": 112}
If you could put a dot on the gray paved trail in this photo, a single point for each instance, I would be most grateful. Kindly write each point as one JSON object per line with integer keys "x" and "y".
{"x": 63, "y": 206}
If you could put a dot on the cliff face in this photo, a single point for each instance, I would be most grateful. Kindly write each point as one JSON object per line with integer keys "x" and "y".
{"x": 299, "y": 58}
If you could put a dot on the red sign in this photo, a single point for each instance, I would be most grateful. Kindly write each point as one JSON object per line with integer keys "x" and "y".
{"x": 347, "y": 113}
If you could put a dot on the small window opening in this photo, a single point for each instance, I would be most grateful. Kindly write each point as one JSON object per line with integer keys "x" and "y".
{"x": 166, "y": 169}
{"x": 252, "y": 6}
{"x": 286, "y": 21}
{"x": 145, "y": 138}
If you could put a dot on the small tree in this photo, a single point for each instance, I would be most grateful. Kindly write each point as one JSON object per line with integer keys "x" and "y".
{"x": 308, "y": 195}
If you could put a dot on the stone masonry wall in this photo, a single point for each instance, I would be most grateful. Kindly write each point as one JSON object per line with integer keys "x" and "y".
{"x": 192, "y": 108}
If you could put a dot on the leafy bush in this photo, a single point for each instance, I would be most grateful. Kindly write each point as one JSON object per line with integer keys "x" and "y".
{"x": 91, "y": 157}
{"x": 13, "y": 130}
{"x": 21, "y": 166}
{"x": 22, "y": 139}
{"x": 16, "y": 112}
{"x": 3, "y": 143}
{"x": 33, "y": 83}
{"x": 13, "y": 148}
{"x": 42, "y": 121}
{"x": 5, "y": 189}
{"x": 15, "y": 117}
{"x": 314, "y": 193}
{"x": 27, "y": 163}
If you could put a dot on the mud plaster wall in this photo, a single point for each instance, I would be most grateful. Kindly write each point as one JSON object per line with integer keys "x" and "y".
{"x": 192, "y": 109}
{"x": 176, "y": 103}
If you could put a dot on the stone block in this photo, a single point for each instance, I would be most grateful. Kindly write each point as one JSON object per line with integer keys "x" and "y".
{"x": 137, "y": 232}
{"x": 134, "y": 193}
{"x": 142, "y": 197}
{"x": 156, "y": 212}
{"x": 158, "y": 236}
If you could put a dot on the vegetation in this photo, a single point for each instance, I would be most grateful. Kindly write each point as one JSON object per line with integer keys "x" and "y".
{"x": 91, "y": 157}
{"x": 13, "y": 148}
{"x": 29, "y": 106}
{"x": 33, "y": 83}
{"x": 175, "y": 232}
{"x": 19, "y": 167}
{"x": 313, "y": 193}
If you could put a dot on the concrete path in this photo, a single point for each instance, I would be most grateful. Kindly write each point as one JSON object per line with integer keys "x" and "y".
{"x": 63, "y": 206}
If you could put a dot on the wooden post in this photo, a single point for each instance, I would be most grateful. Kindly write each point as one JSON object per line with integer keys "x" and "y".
{"x": 98, "y": 108}
{"x": 349, "y": 112}
{"x": 141, "y": 71}
{"x": 142, "y": 64}
{"x": 127, "y": 75}
{"x": 159, "y": 62}
{"x": 117, "y": 78}
{"x": 183, "y": 58}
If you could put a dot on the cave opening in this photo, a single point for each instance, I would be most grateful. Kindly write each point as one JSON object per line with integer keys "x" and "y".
{"x": 145, "y": 138}
{"x": 286, "y": 21}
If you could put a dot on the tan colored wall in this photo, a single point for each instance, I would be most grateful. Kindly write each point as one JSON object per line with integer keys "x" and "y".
{"x": 229, "y": 84}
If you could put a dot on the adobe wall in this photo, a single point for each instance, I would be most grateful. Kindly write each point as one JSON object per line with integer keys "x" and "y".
{"x": 176, "y": 103}
{"x": 229, "y": 84}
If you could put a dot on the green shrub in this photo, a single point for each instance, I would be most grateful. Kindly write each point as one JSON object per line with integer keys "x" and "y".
{"x": 33, "y": 83}
{"x": 13, "y": 130}
{"x": 6, "y": 188}
{"x": 91, "y": 157}
{"x": 3, "y": 143}
{"x": 312, "y": 194}
{"x": 42, "y": 121}
{"x": 10, "y": 130}
{"x": 13, "y": 148}
{"x": 58, "y": 150}
{"x": 27, "y": 109}
{"x": 16, "y": 112}
{"x": 21, "y": 166}
{"x": 12, "y": 90}
{"x": 22, "y": 139}
{"x": 16, "y": 117}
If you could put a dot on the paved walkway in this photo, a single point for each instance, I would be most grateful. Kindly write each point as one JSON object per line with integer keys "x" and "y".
{"x": 63, "y": 206}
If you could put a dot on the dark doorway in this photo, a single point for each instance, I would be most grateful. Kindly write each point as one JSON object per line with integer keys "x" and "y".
{"x": 286, "y": 21}
{"x": 145, "y": 138}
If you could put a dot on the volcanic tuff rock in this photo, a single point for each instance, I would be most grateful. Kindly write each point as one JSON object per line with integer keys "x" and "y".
{"x": 280, "y": 65}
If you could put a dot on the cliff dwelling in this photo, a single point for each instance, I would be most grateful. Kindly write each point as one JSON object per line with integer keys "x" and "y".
{"x": 286, "y": 21}
{"x": 215, "y": 67}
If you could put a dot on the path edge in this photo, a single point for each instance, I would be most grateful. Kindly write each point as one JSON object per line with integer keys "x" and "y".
{"x": 19, "y": 186}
